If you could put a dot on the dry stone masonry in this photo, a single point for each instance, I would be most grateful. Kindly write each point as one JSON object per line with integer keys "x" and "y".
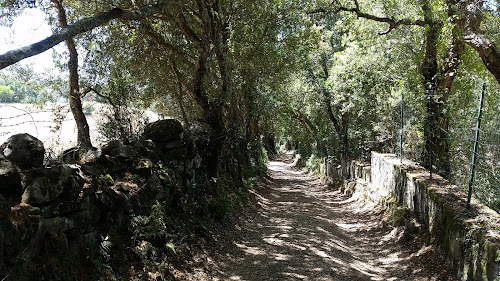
{"x": 57, "y": 215}
{"x": 469, "y": 238}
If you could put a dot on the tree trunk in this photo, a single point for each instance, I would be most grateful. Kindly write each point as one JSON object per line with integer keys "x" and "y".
{"x": 311, "y": 128}
{"x": 345, "y": 137}
{"x": 75, "y": 101}
{"x": 341, "y": 126}
{"x": 487, "y": 50}
{"x": 212, "y": 109}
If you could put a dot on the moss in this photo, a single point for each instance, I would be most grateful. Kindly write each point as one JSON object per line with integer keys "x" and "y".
{"x": 106, "y": 179}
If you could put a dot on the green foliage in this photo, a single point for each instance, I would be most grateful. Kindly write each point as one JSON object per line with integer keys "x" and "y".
{"x": 103, "y": 261}
{"x": 152, "y": 226}
{"x": 20, "y": 86}
{"x": 88, "y": 109}
{"x": 124, "y": 115}
{"x": 312, "y": 163}
{"x": 6, "y": 94}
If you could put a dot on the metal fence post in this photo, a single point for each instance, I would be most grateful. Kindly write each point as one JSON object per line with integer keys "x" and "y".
{"x": 476, "y": 144}
{"x": 402, "y": 127}
{"x": 430, "y": 141}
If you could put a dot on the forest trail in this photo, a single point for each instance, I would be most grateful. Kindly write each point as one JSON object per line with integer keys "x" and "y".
{"x": 301, "y": 230}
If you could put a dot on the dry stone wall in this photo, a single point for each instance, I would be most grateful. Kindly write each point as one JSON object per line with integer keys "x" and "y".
{"x": 53, "y": 218}
{"x": 469, "y": 238}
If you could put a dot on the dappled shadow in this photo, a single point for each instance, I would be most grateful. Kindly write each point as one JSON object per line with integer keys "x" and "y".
{"x": 304, "y": 231}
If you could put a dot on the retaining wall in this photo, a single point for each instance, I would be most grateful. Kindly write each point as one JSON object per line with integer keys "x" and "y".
{"x": 469, "y": 238}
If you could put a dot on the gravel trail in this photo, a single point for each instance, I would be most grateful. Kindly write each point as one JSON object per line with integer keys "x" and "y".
{"x": 301, "y": 230}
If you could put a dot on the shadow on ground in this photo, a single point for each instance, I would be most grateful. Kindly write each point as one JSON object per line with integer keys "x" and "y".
{"x": 301, "y": 230}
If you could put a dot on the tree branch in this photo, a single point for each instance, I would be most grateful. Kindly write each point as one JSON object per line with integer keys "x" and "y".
{"x": 158, "y": 39}
{"x": 188, "y": 32}
{"x": 182, "y": 82}
{"x": 392, "y": 22}
{"x": 82, "y": 26}
{"x": 473, "y": 37}
{"x": 90, "y": 89}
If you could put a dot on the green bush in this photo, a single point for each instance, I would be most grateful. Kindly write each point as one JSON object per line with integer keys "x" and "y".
{"x": 312, "y": 163}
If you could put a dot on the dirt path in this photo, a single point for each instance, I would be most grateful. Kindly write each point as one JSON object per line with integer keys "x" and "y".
{"x": 301, "y": 230}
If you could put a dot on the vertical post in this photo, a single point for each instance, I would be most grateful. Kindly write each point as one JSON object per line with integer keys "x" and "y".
{"x": 402, "y": 127}
{"x": 431, "y": 133}
{"x": 476, "y": 145}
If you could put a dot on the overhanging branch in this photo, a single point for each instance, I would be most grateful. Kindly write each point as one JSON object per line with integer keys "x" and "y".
{"x": 82, "y": 26}
{"x": 392, "y": 22}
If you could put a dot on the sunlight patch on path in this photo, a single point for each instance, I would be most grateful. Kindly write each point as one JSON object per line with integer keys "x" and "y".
{"x": 304, "y": 231}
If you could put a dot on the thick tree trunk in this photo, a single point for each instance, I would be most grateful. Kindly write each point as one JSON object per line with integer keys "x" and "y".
{"x": 465, "y": 17}
{"x": 213, "y": 110}
{"x": 75, "y": 101}
{"x": 437, "y": 144}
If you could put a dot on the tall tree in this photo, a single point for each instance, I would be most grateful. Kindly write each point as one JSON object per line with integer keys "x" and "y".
{"x": 436, "y": 80}
{"x": 74, "y": 95}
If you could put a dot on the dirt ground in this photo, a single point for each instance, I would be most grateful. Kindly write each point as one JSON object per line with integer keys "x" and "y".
{"x": 298, "y": 229}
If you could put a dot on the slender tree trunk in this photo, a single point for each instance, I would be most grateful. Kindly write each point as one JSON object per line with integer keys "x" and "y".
{"x": 345, "y": 137}
{"x": 341, "y": 126}
{"x": 75, "y": 101}
{"x": 311, "y": 128}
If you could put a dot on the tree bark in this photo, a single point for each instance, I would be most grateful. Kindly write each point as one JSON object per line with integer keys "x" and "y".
{"x": 74, "y": 96}
{"x": 212, "y": 109}
{"x": 487, "y": 50}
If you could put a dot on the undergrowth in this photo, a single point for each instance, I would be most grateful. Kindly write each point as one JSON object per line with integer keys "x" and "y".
{"x": 159, "y": 237}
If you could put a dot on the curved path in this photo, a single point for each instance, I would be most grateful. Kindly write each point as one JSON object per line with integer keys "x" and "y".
{"x": 301, "y": 230}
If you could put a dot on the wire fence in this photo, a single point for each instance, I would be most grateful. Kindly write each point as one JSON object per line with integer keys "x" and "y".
{"x": 51, "y": 123}
{"x": 463, "y": 145}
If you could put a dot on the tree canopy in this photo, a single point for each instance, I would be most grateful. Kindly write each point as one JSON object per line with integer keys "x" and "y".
{"x": 327, "y": 77}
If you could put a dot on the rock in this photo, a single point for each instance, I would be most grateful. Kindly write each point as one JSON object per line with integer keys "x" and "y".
{"x": 107, "y": 148}
{"x": 91, "y": 155}
{"x": 189, "y": 165}
{"x": 10, "y": 178}
{"x": 44, "y": 185}
{"x": 57, "y": 225}
{"x": 163, "y": 130}
{"x": 86, "y": 218}
{"x": 143, "y": 166}
{"x": 93, "y": 169}
{"x": 350, "y": 188}
{"x": 71, "y": 155}
{"x": 85, "y": 201}
{"x": 106, "y": 180}
{"x": 175, "y": 154}
{"x": 144, "y": 144}
{"x": 23, "y": 233}
{"x": 147, "y": 149}
{"x": 113, "y": 165}
{"x": 4, "y": 207}
{"x": 114, "y": 209}
{"x": 172, "y": 145}
{"x": 24, "y": 150}
{"x": 125, "y": 152}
